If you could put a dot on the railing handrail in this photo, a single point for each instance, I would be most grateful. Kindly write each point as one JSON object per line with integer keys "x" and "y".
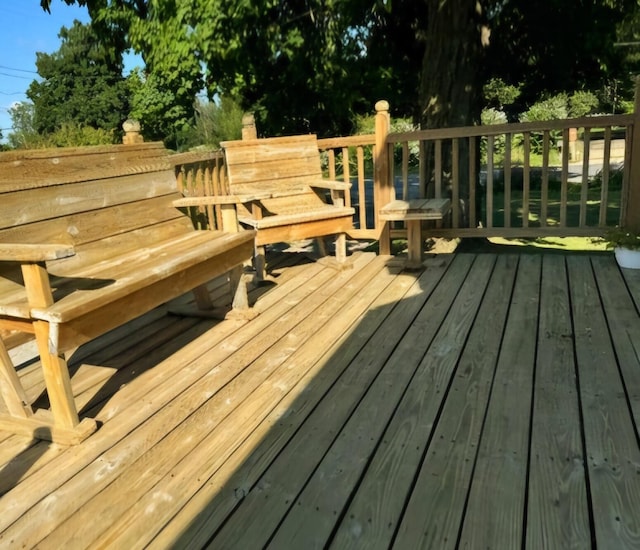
{"x": 510, "y": 128}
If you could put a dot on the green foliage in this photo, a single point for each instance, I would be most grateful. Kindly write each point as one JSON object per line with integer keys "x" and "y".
{"x": 582, "y": 103}
{"x": 488, "y": 117}
{"x": 552, "y": 108}
{"x": 311, "y": 66}
{"x": 81, "y": 85}
{"x": 498, "y": 94}
{"x": 622, "y": 237}
{"x": 214, "y": 122}
{"x": 24, "y": 134}
{"x": 73, "y": 135}
{"x": 69, "y": 134}
{"x": 154, "y": 104}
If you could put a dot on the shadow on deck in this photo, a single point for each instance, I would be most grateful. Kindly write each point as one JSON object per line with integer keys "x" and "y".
{"x": 491, "y": 400}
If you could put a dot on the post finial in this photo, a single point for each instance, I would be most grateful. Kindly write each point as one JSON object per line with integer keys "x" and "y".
{"x": 382, "y": 105}
{"x": 132, "y": 133}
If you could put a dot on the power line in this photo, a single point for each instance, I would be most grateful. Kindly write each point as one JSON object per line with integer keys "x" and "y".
{"x": 19, "y": 70}
{"x": 16, "y": 76}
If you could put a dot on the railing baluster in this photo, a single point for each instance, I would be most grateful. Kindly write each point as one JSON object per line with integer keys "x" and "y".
{"x": 526, "y": 182}
{"x": 455, "y": 181}
{"x": 606, "y": 168}
{"x": 362, "y": 203}
{"x": 437, "y": 166}
{"x": 346, "y": 172}
{"x": 507, "y": 180}
{"x": 564, "y": 179}
{"x": 405, "y": 170}
{"x": 544, "y": 191}
{"x": 473, "y": 175}
{"x": 489, "y": 209}
{"x": 584, "y": 189}
{"x": 331, "y": 155}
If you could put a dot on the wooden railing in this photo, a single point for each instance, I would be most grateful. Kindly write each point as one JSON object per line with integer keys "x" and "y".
{"x": 202, "y": 174}
{"x": 571, "y": 177}
{"x": 511, "y": 180}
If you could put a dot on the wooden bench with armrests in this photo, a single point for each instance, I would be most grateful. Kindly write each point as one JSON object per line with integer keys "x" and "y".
{"x": 279, "y": 190}
{"x": 90, "y": 239}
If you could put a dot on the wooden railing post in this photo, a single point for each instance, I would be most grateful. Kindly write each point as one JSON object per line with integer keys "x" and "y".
{"x": 382, "y": 186}
{"x": 249, "y": 130}
{"x": 631, "y": 215}
{"x": 132, "y": 133}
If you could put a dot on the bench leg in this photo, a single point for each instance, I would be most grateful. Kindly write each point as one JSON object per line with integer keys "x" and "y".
{"x": 341, "y": 248}
{"x": 62, "y": 424}
{"x": 320, "y": 247}
{"x": 240, "y": 306}
{"x": 13, "y": 394}
{"x": 57, "y": 380}
{"x": 203, "y": 298}
{"x": 260, "y": 262}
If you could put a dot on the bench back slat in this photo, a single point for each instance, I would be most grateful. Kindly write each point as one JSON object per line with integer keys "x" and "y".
{"x": 283, "y": 166}
{"x": 91, "y": 198}
{"x": 33, "y": 205}
{"x": 284, "y": 162}
{"x": 27, "y": 169}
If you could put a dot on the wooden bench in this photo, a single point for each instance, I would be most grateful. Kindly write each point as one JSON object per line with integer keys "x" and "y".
{"x": 90, "y": 239}
{"x": 278, "y": 186}
{"x": 413, "y": 212}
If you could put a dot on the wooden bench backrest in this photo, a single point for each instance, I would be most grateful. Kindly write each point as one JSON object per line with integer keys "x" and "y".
{"x": 284, "y": 166}
{"x": 89, "y": 196}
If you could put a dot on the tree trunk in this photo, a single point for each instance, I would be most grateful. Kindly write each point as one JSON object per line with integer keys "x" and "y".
{"x": 451, "y": 81}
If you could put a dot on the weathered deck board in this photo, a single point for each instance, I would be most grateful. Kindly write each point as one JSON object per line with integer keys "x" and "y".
{"x": 558, "y": 510}
{"x": 613, "y": 456}
{"x": 490, "y": 401}
{"x": 501, "y": 465}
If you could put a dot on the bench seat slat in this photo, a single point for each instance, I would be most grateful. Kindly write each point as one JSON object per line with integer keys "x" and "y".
{"x": 157, "y": 263}
{"x": 297, "y": 217}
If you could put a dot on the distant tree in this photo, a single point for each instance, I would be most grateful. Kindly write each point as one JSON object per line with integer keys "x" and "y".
{"x": 24, "y": 134}
{"x": 155, "y": 105}
{"x": 80, "y": 84}
{"x": 215, "y": 121}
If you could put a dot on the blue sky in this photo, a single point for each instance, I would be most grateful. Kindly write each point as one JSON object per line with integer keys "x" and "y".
{"x": 28, "y": 29}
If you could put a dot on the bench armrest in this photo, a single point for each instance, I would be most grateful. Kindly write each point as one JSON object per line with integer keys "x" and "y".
{"x": 28, "y": 253}
{"x": 331, "y": 184}
{"x": 220, "y": 199}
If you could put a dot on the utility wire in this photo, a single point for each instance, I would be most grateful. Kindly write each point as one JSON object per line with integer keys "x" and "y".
{"x": 19, "y": 70}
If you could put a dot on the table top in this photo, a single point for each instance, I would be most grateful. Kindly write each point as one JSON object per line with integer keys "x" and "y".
{"x": 417, "y": 209}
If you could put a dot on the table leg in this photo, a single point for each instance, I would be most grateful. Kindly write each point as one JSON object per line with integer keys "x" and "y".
{"x": 414, "y": 244}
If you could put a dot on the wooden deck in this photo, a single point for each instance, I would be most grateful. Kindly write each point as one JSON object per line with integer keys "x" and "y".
{"x": 490, "y": 401}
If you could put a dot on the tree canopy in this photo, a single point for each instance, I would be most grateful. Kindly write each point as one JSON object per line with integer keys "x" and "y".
{"x": 81, "y": 83}
{"x": 311, "y": 65}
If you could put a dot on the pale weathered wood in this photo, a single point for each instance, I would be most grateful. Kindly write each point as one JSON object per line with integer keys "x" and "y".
{"x": 288, "y": 170}
{"x": 34, "y": 252}
{"x": 248, "y": 528}
{"x": 501, "y": 464}
{"x": 413, "y": 212}
{"x": 323, "y": 421}
{"x": 228, "y": 366}
{"x": 557, "y": 508}
{"x": 123, "y": 249}
{"x": 609, "y": 428}
{"x": 11, "y": 390}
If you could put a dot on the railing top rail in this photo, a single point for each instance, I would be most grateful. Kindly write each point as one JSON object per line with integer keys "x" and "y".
{"x": 346, "y": 141}
{"x": 514, "y": 128}
{"x": 190, "y": 157}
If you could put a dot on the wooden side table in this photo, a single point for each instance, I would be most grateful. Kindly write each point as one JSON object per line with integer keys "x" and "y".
{"x": 413, "y": 212}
